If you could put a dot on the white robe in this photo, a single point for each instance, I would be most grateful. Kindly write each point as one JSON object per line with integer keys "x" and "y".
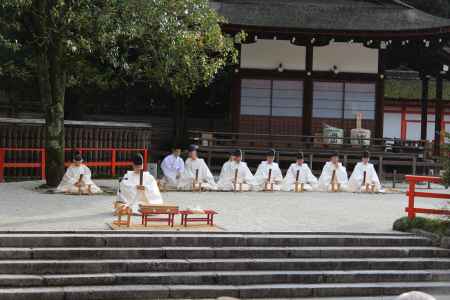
{"x": 172, "y": 166}
{"x": 227, "y": 174}
{"x": 355, "y": 183}
{"x": 129, "y": 194}
{"x": 327, "y": 173}
{"x": 204, "y": 175}
{"x": 305, "y": 176}
{"x": 262, "y": 175}
{"x": 72, "y": 176}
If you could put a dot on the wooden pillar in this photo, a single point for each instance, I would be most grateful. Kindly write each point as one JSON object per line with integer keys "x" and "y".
{"x": 438, "y": 116}
{"x": 235, "y": 103}
{"x": 308, "y": 92}
{"x": 379, "y": 95}
{"x": 424, "y": 110}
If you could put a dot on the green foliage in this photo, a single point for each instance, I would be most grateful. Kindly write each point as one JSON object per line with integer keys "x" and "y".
{"x": 439, "y": 227}
{"x": 174, "y": 44}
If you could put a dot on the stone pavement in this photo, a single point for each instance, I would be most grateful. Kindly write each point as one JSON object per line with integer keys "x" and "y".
{"x": 25, "y": 208}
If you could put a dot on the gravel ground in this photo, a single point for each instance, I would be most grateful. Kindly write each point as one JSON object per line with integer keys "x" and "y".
{"x": 23, "y": 207}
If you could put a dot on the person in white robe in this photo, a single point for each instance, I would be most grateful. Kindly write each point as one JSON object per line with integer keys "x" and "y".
{"x": 262, "y": 180}
{"x": 77, "y": 179}
{"x": 360, "y": 183}
{"x": 196, "y": 172}
{"x": 305, "y": 176}
{"x": 341, "y": 178}
{"x": 132, "y": 193}
{"x": 172, "y": 166}
{"x": 235, "y": 174}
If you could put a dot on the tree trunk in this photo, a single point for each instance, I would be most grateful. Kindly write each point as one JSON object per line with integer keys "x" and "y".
{"x": 52, "y": 86}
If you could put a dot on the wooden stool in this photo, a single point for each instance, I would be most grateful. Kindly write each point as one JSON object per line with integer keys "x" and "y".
{"x": 209, "y": 219}
{"x": 122, "y": 210}
{"x": 148, "y": 211}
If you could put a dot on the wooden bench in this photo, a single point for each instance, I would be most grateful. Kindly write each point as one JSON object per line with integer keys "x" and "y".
{"x": 207, "y": 213}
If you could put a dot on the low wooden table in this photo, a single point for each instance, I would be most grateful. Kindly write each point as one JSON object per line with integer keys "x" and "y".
{"x": 148, "y": 213}
{"x": 209, "y": 219}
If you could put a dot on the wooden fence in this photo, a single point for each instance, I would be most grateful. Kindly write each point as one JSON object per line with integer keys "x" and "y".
{"x": 412, "y": 210}
{"x": 15, "y": 133}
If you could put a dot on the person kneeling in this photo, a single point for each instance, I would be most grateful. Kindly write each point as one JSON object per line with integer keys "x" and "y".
{"x": 77, "y": 179}
{"x": 364, "y": 177}
{"x": 138, "y": 187}
{"x": 299, "y": 177}
{"x": 196, "y": 175}
{"x": 334, "y": 176}
{"x": 235, "y": 174}
{"x": 268, "y": 176}
{"x": 172, "y": 167}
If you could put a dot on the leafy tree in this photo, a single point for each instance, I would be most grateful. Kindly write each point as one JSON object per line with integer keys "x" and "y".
{"x": 177, "y": 45}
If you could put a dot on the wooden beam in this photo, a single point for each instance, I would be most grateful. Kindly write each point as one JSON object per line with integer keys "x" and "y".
{"x": 379, "y": 95}
{"x": 424, "y": 108}
{"x": 308, "y": 92}
{"x": 438, "y": 116}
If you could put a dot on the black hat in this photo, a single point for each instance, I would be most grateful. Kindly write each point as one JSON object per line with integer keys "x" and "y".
{"x": 366, "y": 154}
{"x": 300, "y": 155}
{"x": 192, "y": 148}
{"x": 335, "y": 153}
{"x": 271, "y": 152}
{"x": 77, "y": 156}
{"x": 237, "y": 152}
{"x": 138, "y": 160}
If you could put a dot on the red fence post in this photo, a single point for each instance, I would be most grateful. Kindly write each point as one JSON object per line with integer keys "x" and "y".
{"x": 145, "y": 159}
{"x": 2, "y": 165}
{"x": 411, "y": 195}
{"x": 43, "y": 164}
{"x": 113, "y": 162}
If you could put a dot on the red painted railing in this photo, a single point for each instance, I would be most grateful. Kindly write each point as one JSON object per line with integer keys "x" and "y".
{"x": 412, "y": 193}
{"x": 113, "y": 163}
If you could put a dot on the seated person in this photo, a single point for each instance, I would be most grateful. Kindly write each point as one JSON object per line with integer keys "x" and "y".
{"x": 196, "y": 172}
{"x": 235, "y": 172}
{"x": 77, "y": 179}
{"x": 305, "y": 176}
{"x": 370, "y": 182}
{"x": 172, "y": 166}
{"x": 262, "y": 180}
{"x": 340, "y": 175}
{"x": 132, "y": 192}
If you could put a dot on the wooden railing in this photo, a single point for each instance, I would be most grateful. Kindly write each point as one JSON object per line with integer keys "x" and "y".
{"x": 38, "y": 163}
{"x": 112, "y": 162}
{"x": 302, "y": 142}
{"x": 412, "y": 193}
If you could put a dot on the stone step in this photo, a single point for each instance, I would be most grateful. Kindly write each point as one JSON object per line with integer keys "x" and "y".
{"x": 207, "y": 240}
{"x": 135, "y": 292}
{"x": 226, "y": 278}
{"x": 219, "y": 252}
{"x": 184, "y": 265}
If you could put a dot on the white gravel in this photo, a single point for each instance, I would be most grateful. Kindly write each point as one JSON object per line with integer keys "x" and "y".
{"x": 22, "y": 207}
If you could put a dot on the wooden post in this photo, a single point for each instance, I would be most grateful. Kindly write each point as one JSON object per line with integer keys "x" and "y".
{"x": 2, "y": 165}
{"x": 380, "y": 167}
{"x": 414, "y": 165}
{"x": 308, "y": 93}
{"x": 424, "y": 108}
{"x": 42, "y": 164}
{"x": 438, "y": 116}
{"x": 145, "y": 159}
{"x": 113, "y": 162}
{"x": 379, "y": 95}
{"x": 412, "y": 190}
